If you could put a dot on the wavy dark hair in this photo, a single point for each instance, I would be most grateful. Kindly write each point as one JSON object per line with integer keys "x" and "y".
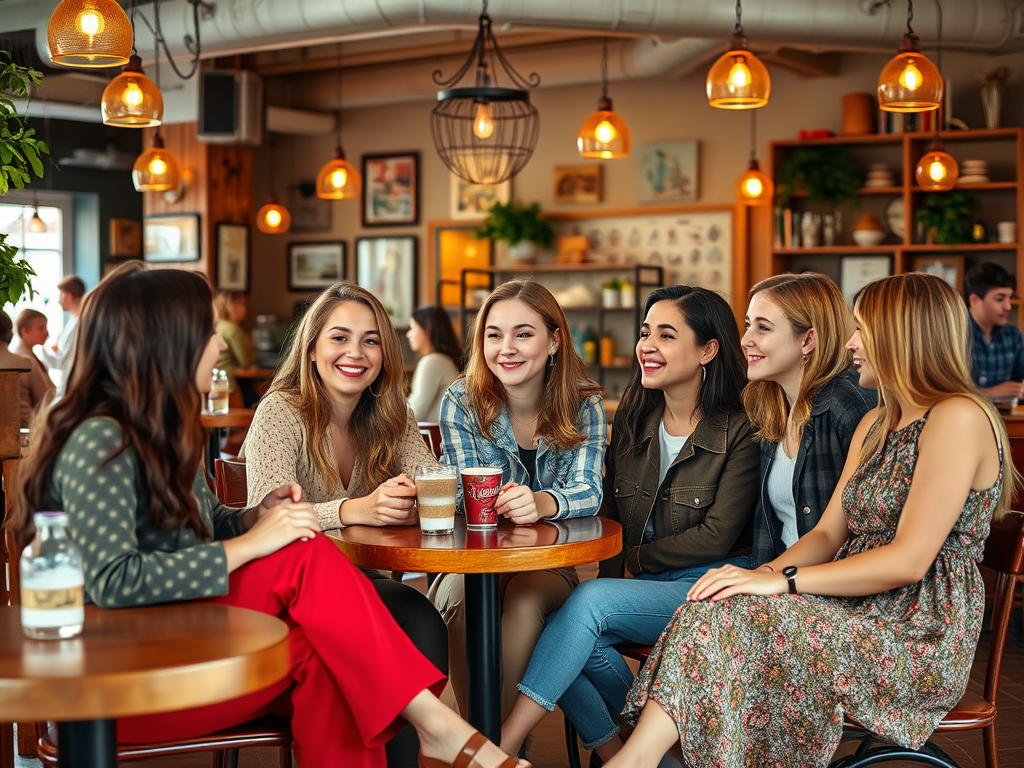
{"x": 708, "y": 315}
{"x": 140, "y": 338}
{"x": 438, "y": 326}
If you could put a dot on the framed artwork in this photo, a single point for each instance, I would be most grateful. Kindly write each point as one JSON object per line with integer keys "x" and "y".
{"x": 309, "y": 212}
{"x": 125, "y": 238}
{"x": 667, "y": 173}
{"x": 391, "y": 189}
{"x": 315, "y": 266}
{"x": 386, "y": 266}
{"x": 857, "y": 271}
{"x": 233, "y": 257}
{"x": 171, "y": 237}
{"x": 949, "y": 268}
{"x": 578, "y": 183}
{"x": 474, "y": 201}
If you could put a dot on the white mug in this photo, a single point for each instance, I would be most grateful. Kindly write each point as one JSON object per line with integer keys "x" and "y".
{"x": 1007, "y": 231}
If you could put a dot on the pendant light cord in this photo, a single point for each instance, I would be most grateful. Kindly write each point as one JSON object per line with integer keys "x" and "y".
{"x": 604, "y": 67}
{"x": 938, "y": 57}
{"x": 338, "y": 86}
{"x": 739, "y": 17}
{"x": 910, "y": 16}
{"x": 753, "y": 134}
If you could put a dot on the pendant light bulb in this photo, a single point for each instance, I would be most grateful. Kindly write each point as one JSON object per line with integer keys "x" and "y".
{"x": 338, "y": 179}
{"x": 937, "y": 171}
{"x": 483, "y": 123}
{"x": 36, "y": 223}
{"x": 156, "y": 169}
{"x": 739, "y": 75}
{"x": 273, "y": 218}
{"x": 132, "y": 100}
{"x": 754, "y": 187}
{"x": 89, "y": 34}
{"x": 909, "y": 82}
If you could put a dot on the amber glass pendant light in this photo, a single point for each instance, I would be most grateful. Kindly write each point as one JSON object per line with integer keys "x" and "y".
{"x": 754, "y": 187}
{"x": 909, "y": 82}
{"x": 132, "y": 100}
{"x": 89, "y": 34}
{"x": 36, "y": 223}
{"x": 338, "y": 179}
{"x": 156, "y": 169}
{"x": 273, "y": 218}
{"x": 738, "y": 80}
{"x": 604, "y": 134}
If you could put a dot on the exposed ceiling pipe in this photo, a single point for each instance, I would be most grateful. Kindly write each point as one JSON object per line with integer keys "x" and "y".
{"x": 242, "y": 26}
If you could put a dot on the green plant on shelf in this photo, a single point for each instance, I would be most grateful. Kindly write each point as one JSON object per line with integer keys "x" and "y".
{"x": 515, "y": 223}
{"x": 828, "y": 175}
{"x": 614, "y": 284}
{"x": 949, "y": 216}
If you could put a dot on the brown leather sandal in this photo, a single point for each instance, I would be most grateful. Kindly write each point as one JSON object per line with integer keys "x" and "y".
{"x": 466, "y": 758}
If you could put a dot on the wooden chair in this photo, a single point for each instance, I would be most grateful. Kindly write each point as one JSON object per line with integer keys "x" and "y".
{"x": 431, "y": 434}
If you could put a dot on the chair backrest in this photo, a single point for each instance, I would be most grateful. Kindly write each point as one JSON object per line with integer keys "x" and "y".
{"x": 1004, "y": 554}
{"x": 431, "y": 434}
{"x": 232, "y": 489}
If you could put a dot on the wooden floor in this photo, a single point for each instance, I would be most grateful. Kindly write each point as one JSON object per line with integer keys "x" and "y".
{"x": 547, "y": 749}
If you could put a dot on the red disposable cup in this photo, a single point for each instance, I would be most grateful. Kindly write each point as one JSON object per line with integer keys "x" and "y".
{"x": 480, "y": 486}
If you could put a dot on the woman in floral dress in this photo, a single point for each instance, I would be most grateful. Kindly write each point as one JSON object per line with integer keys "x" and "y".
{"x": 875, "y": 612}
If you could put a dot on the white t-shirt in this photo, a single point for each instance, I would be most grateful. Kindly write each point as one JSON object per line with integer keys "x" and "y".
{"x": 780, "y": 494}
{"x": 670, "y": 446}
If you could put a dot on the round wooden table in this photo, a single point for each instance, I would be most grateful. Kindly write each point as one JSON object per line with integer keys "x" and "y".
{"x": 482, "y": 555}
{"x": 235, "y": 418}
{"x": 134, "y": 661}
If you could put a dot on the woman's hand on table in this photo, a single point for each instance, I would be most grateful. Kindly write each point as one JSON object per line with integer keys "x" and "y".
{"x": 720, "y": 583}
{"x": 393, "y": 502}
{"x": 522, "y": 506}
{"x": 275, "y": 528}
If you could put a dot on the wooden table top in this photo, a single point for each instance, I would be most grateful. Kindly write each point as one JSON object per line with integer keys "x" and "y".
{"x": 134, "y": 661}
{"x": 510, "y": 548}
{"x": 235, "y": 418}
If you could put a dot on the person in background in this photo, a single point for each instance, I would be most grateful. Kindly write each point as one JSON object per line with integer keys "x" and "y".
{"x": 432, "y": 337}
{"x": 335, "y": 420}
{"x": 230, "y": 308}
{"x": 34, "y": 386}
{"x": 997, "y": 347}
{"x": 874, "y": 614}
{"x": 803, "y": 401}
{"x": 104, "y": 451}
{"x": 61, "y": 356}
{"x": 526, "y": 405}
{"x": 31, "y": 332}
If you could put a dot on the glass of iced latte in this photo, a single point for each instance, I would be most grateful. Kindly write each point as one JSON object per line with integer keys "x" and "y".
{"x": 435, "y": 498}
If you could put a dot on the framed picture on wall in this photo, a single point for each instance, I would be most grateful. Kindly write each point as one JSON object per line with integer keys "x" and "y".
{"x": 391, "y": 189}
{"x": 578, "y": 183}
{"x": 667, "y": 173}
{"x": 386, "y": 266}
{"x": 233, "y": 257}
{"x": 315, "y": 266}
{"x": 171, "y": 237}
{"x": 125, "y": 238}
{"x": 949, "y": 268}
{"x": 474, "y": 201}
{"x": 857, "y": 271}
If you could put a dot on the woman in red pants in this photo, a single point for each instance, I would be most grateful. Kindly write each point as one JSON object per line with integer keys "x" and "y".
{"x": 121, "y": 453}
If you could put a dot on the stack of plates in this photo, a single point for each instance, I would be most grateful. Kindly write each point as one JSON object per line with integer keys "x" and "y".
{"x": 879, "y": 175}
{"x": 974, "y": 172}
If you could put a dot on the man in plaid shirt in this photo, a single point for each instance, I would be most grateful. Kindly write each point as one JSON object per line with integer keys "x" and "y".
{"x": 997, "y": 359}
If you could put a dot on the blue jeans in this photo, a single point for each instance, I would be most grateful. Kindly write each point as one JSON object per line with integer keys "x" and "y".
{"x": 574, "y": 665}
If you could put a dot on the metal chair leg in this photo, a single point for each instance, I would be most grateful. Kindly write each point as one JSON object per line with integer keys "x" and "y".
{"x": 572, "y": 746}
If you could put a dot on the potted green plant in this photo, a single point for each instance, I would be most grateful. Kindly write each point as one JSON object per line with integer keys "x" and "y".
{"x": 521, "y": 226}
{"x": 611, "y": 293}
{"x": 20, "y": 152}
{"x": 947, "y": 217}
{"x": 827, "y": 173}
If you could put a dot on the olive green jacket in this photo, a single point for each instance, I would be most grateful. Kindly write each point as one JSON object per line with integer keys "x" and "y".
{"x": 704, "y": 508}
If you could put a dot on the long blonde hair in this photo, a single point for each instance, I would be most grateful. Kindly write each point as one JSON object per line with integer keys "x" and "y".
{"x": 895, "y": 310}
{"x": 808, "y": 301}
{"x": 379, "y": 419}
{"x": 566, "y": 382}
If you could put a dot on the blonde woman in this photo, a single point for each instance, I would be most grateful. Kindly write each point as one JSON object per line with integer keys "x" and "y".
{"x": 803, "y": 401}
{"x": 876, "y": 612}
{"x": 335, "y": 420}
{"x": 527, "y": 405}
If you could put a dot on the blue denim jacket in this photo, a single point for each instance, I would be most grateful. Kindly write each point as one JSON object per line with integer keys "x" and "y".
{"x": 572, "y": 477}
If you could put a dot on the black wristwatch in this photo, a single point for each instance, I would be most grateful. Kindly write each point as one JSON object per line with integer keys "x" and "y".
{"x": 790, "y": 573}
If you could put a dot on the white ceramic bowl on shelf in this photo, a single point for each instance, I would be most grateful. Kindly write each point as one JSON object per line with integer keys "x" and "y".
{"x": 868, "y": 237}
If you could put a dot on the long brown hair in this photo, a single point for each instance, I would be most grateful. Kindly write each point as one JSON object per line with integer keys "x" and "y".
{"x": 896, "y": 309}
{"x": 566, "y": 382}
{"x": 808, "y": 301}
{"x": 379, "y": 419}
{"x": 140, "y": 338}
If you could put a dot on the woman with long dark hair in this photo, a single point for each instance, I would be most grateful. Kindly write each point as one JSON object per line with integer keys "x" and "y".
{"x": 679, "y": 477}
{"x": 432, "y": 337}
{"x": 121, "y": 452}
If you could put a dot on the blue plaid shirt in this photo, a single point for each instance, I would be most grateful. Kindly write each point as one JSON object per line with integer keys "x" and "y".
{"x": 572, "y": 477}
{"x": 1000, "y": 360}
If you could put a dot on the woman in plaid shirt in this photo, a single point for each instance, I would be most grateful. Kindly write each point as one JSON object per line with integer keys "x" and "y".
{"x": 525, "y": 404}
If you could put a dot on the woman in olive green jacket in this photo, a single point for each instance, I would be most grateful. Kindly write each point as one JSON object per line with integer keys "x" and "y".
{"x": 681, "y": 477}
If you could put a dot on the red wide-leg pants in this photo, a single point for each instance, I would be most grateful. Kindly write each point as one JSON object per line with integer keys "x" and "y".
{"x": 353, "y": 669}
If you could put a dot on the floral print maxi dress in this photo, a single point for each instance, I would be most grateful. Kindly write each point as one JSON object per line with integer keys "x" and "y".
{"x": 764, "y": 681}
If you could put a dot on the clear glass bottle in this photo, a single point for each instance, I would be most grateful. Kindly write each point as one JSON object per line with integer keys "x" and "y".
{"x": 220, "y": 389}
{"x": 52, "y": 581}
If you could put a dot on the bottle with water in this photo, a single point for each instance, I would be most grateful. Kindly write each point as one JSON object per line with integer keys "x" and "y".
{"x": 52, "y": 581}
{"x": 220, "y": 392}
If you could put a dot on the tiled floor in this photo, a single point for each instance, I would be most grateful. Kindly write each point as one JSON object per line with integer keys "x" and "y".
{"x": 548, "y": 746}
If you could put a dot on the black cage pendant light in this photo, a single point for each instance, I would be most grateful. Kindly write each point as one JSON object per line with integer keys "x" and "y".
{"x": 485, "y": 133}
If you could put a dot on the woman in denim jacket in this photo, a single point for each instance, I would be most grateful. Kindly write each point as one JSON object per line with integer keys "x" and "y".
{"x": 526, "y": 405}
{"x": 680, "y": 478}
